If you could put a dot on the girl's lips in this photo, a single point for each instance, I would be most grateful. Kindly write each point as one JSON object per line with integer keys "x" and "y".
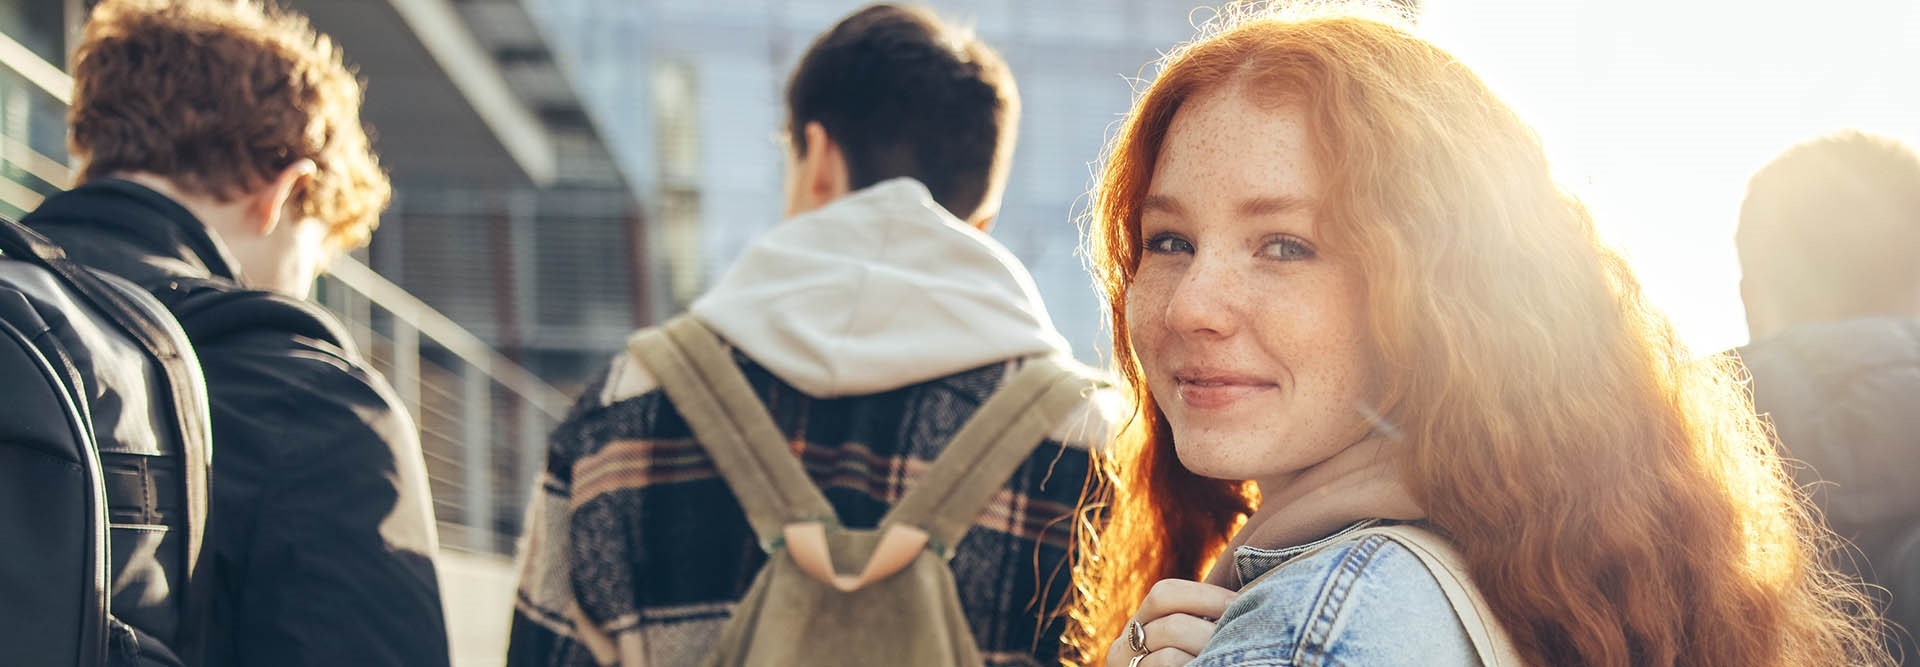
{"x": 1216, "y": 392}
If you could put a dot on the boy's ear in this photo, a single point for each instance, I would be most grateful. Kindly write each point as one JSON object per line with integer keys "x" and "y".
{"x": 823, "y": 169}
{"x": 265, "y": 205}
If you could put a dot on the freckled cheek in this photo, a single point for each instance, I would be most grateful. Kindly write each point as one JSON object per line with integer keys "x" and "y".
{"x": 1319, "y": 331}
{"x": 1347, "y": 362}
{"x": 1146, "y": 307}
{"x": 1358, "y": 351}
{"x": 1147, "y": 327}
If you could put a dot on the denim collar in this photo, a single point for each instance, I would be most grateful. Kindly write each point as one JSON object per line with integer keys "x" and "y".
{"x": 1251, "y": 562}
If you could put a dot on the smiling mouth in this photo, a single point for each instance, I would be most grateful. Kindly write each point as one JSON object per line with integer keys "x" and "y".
{"x": 1206, "y": 392}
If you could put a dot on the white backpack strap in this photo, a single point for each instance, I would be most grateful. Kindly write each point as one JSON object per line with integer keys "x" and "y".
{"x": 1489, "y": 638}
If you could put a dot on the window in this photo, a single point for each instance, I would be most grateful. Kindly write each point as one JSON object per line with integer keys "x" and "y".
{"x": 39, "y": 25}
{"x": 33, "y": 131}
{"x": 676, "y": 103}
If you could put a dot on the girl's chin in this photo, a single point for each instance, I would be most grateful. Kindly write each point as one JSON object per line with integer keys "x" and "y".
{"x": 1209, "y": 464}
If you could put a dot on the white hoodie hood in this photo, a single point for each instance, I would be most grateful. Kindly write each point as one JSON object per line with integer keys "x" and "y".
{"x": 878, "y": 290}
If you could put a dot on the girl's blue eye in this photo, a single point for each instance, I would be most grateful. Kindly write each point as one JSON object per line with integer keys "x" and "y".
{"x": 1168, "y": 243}
{"x": 1287, "y": 249}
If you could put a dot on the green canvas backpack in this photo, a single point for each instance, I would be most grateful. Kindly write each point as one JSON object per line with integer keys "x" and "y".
{"x": 831, "y": 595}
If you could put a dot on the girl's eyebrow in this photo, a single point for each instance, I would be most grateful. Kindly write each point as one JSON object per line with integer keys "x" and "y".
{"x": 1163, "y": 204}
{"x": 1263, "y": 205}
{"x": 1273, "y": 205}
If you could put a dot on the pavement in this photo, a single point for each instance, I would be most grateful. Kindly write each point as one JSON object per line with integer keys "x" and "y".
{"x": 477, "y": 592}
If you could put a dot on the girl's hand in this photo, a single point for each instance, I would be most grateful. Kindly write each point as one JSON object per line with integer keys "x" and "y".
{"x": 1174, "y": 622}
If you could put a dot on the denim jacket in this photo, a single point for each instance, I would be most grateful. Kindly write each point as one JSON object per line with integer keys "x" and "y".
{"x": 1364, "y": 601}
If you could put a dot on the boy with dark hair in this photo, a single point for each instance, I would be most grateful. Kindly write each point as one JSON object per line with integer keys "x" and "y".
{"x": 871, "y": 325}
{"x": 222, "y": 163}
{"x": 945, "y": 113}
{"x": 1829, "y": 243}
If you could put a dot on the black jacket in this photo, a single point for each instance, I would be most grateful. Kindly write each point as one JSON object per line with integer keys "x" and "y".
{"x": 1844, "y": 399}
{"x": 320, "y": 527}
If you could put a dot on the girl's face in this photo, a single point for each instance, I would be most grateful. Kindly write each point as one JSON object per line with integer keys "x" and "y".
{"x": 1250, "y": 339}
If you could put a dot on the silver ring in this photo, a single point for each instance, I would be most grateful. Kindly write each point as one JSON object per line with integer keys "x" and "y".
{"x": 1137, "y": 638}
{"x": 1135, "y": 662}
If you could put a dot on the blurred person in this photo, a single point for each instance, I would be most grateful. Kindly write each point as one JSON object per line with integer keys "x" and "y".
{"x": 1397, "y": 404}
{"x": 1829, "y": 243}
{"x": 222, "y": 163}
{"x": 871, "y": 322}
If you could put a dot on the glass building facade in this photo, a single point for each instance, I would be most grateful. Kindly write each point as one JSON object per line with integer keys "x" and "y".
{"x": 688, "y": 96}
{"x": 34, "y": 35}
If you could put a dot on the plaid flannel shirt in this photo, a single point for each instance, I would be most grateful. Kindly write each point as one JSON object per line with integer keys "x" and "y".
{"x": 637, "y": 549}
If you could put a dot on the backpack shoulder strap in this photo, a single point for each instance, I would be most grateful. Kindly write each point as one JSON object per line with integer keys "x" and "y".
{"x": 210, "y": 310}
{"x": 989, "y": 447}
{"x": 726, "y": 416}
{"x": 123, "y": 304}
{"x": 1489, "y": 638}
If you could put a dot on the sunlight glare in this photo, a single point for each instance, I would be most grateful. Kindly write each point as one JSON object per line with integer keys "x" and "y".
{"x": 1657, "y": 112}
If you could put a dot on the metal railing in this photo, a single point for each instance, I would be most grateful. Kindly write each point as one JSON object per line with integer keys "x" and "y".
{"x": 482, "y": 418}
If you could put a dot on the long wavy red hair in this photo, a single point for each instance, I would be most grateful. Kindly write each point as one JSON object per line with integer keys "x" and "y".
{"x": 1618, "y": 502}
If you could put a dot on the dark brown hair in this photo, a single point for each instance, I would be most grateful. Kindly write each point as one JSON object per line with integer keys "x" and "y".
{"x": 219, "y": 97}
{"x": 907, "y": 95}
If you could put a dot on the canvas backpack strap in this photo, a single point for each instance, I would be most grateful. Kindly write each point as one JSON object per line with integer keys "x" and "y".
{"x": 989, "y": 447}
{"x": 708, "y": 390}
{"x": 1489, "y": 638}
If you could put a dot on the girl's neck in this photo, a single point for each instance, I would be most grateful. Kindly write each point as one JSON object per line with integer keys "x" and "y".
{"x": 1363, "y": 481}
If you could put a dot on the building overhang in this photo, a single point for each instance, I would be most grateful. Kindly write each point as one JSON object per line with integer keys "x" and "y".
{"x": 448, "y": 92}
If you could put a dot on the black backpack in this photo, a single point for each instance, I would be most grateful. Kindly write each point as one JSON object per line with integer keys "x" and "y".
{"x": 104, "y": 457}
